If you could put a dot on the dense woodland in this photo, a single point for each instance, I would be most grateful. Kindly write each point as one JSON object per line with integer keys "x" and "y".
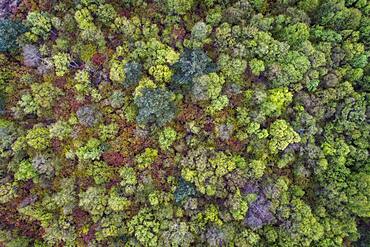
{"x": 184, "y": 123}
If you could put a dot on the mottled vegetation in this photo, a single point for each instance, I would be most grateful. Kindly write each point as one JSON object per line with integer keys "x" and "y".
{"x": 184, "y": 123}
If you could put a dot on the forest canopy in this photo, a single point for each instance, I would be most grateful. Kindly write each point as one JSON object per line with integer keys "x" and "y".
{"x": 184, "y": 123}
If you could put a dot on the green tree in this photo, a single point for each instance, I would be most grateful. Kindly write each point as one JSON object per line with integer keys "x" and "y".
{"x": 336, "y": 15}
{"x": 9, "y": 32}
{"x": 257, "y": 66}
{"x": 61, "y": 63}
{"x": 166, "y": 138}
{"x": 232, "y": 69}
{"x": 106, "y": 14}
{"x": 161, "y": 73}
{"x": 25, "y": 171}
{"x": 94, "y": 200}
{"x": 90, "y": 151}
{"x": 145, "y": 228}
{"x": 38, "y": 138}
{"x": 276, "y": 102}
{"x": 44, "y": 95}
{"x": 155, "y": 106}
{"x": 282, "y": 134}
{"x": 146, "y": 158}
{"x": 295, "y": 34}
{"x": 207, "y": 87}
{"x": 40, "y": 24}
{"x": 192, "y": 63}
{"x": 359, "y": 196}
{"x": 8, "y": 134}
{"x": 179, "y": 7}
